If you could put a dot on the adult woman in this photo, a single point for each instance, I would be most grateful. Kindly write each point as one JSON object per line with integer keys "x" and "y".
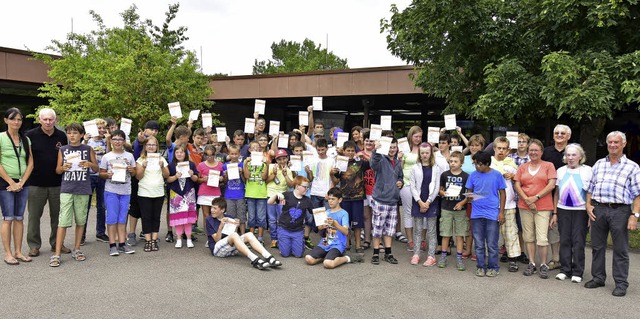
{"x": 414, "y": 137}
{"x": 16, "y": 164}
{"x": 534, "y": 182}
{"x": 356, "y": 136}
{"x": 476, "y": 143}
{"x": 570, "y": 212}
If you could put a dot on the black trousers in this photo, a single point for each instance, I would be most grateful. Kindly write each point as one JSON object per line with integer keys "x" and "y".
{"x": 150, "y": 210}
{"x": 572, "y": 225}
{"x": 612, "y": 220}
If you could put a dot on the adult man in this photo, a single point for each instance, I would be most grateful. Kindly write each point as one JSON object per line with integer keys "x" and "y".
{"x": 613, "y": 205}
{"x": 554, "y": 154}
{"x": 45, "y": 184}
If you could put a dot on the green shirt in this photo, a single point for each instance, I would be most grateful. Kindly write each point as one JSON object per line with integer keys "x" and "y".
{"x": 8, "y": 158}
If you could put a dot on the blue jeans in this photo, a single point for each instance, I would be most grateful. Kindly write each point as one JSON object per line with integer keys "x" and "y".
{"x": 13, "y": 204}
{"x": 257, "y": 211}
{"x": 290, "y": 243}
{"x": 486, "y": 230}
{"x": 273, "y": 212}
{"x": 97, "y": 184}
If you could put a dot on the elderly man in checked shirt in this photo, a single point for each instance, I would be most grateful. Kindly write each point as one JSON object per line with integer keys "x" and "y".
{"x": 613, "y": 205}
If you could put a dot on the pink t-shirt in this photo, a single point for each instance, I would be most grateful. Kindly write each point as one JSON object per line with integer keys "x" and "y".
{"x": 534, "y": 184}
{"x": 206, "y": 190}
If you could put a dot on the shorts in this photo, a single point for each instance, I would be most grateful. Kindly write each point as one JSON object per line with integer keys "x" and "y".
{"x": 454, "y": 223}
{"x": 535, "y": 226}
{"x": 384, "y": 219}
{"x": 73, "y": 206}
{"x": 206, "y": 200}
{"x": 116, "y": 206}
{"x": 13, "y": 203}
{"x": 319, "y": 253}
{"x": 355, "y": 209}
{"x": 224, "y": 249}
{"x": 237, "y": 208}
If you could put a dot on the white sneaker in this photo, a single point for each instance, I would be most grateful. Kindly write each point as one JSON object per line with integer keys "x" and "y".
{"x": 206, "y": 245}
{"x": 190, "y": 243}
{"x": 179, "y": 243}
{"x": 561, "y": 276}
{"x": 576, "y": 279}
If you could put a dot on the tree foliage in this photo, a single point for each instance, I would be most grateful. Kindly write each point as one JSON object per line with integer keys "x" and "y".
{"x": 131, "y": 71}
{"x": 516, "y": 61}
{"x": 290, "y": 56}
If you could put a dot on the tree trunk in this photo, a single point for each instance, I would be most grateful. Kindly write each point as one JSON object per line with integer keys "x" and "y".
{"x": 589, "y": 133}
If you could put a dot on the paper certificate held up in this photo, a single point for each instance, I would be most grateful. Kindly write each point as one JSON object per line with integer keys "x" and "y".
{"x": 308, "y": 159}
{"x": 274, "y": 128}
{"x": 456, "y": 148}
{"x": 229, "y": 227}
{"x": 207, "y": 120}
{"x": 119, "y": 173}
{"x": 513, "y": 139}
{"x": 256, "y": 158}
{"x": 74, "y": 158}
{"x": 342, "y": 163}
{"x": 183, "y": 168}
{"x": 232, "y": 171}
{"x": 283, "y": 141}
{"x": 403, "y": 145}
{"x": 193, "y": 115}
{"x": 296, "y": 163}
{"x": 433, "y": 135}
{"x": 249, "y": 125}
{"x": 453, "y": 191}
{"x": 317, "y": 103}
{"x": 125, "y": 126}
{"x": 214, "y": 178}
{"x": 385, "y": 122}
{"x": 174, "y": 109}
{"x": 91, "y": 128}
{"x": 385, "y": 145}
{"x": 303, "y": 118}
{"x": 320, "y": 216}
{"x": 376, "y": 132}
{"x": 221, "y": 132}
{"x": 450, "y": 122}
{"x": 153, "y": 161}
{"x": 259, "y": 106}
{"x": 342, "y": 137}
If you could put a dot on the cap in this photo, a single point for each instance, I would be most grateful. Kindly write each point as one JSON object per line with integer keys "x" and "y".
{"x": 153, "y": 125}
{"x": 335, "y": 133}
{"x": 281, "y": 153}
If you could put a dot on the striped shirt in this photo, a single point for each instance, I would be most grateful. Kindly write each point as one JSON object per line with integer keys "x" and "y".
{"x": 618, "y": 183}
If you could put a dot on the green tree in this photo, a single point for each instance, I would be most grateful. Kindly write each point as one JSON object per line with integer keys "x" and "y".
{"x": 131, "y": 71}
{"x": 518, "y": 61}
{"x": 290, "y": 57}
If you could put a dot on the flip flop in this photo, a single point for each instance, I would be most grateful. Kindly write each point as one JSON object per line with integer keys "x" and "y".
{"x": 24, "y": 259}
{"x": 12, "y": 262}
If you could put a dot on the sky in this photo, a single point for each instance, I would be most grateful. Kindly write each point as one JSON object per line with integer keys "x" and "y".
{"x": 229, "y": 35}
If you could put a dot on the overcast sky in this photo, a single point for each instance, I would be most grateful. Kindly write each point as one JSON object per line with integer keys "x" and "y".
{"x": 231, "y": 33}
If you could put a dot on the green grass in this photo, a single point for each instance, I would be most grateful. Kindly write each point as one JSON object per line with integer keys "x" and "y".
{"x": 634, "y": 240}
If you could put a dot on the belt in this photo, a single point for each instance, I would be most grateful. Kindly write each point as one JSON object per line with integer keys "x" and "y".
{"x": 610, "y": 205}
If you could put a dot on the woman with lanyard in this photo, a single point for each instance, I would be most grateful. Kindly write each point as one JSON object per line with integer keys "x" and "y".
{"x": 16, "y": 165}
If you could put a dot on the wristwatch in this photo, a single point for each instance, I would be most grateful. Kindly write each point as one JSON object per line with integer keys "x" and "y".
{"x": 637, "y": 215}
{"x": 537, "y": 196}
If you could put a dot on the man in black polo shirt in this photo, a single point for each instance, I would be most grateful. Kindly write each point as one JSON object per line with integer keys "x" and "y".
{"x": 44, "y": 184}
{"x": 554, "y": 154}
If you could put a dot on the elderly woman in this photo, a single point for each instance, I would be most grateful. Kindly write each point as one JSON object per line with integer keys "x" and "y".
{"x": 16, "y": 164}
{"x": 570, "y": 212}
{"x": 535, "y": 181}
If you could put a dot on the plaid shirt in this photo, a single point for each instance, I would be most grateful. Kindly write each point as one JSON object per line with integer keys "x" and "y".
{"x": 619, "y": 183}
{"x": 519, "y": 160}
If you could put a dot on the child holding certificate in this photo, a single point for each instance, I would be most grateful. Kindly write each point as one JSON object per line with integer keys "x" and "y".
{"x": 209, "y": 172}
{"x": 182, "y": 195}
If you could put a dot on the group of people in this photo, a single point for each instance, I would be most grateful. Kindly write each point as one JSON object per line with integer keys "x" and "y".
{"x": 357, "y": 195}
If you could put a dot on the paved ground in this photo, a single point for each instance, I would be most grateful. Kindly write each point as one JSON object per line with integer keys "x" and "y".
{"x": 190, "y": 282}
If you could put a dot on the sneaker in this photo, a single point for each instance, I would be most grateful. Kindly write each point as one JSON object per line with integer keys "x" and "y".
{"x": 308, "y": 244}
{"x": 504, "y": 258}
{"x": 178, "y": 243}
{"x": 375, "y": 259}
{"x": 429, "y": 262}
{"x": 460, "y": 265}
{"x": 544, "y": 271}
{"x": 531, "y": 269}
{"x": 415, "y": 259}
{"x": 102, "y": 238}
{"x": 442, "y": 262}
{"x": 423, "y": 245}
{"x": 492, "y": 273}
{"x": 523, "y": 259}
{"x": 169, "y": 237}
{"x": 355, "y": 258}
{"x": 113, "y": 251}
{"x": 141, "y": 236}
{"x": 121, "y": 249}
{"x": 576, "y": 279}
{"x": 513, "y": 266}
{"x": 131, "y": 239}
{"x": 479, "y": 272}
{"x": 390, "y": 259}
{"x": 206, "y": 245}
{"x": 554, "y": 265}
{"x": 411, "y": 246}
{"x": 561, "y": 276}
{"x": 83, "y": 242}
{"x": 128, "y": 250}
{"x": 474, "y": 258}
{"x": 274, "y": 244}
{"x": 190, "y": 243}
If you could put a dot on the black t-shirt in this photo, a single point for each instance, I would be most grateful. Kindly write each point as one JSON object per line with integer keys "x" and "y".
{"x": 44, "y": 149}
{"x": 551, "y": 154}
{"x": 447, "y": 178}
{"x": 293, "y": 212}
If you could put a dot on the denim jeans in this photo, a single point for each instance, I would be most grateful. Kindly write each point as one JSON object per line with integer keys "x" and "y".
{"x": 13, "y": 204}
{"x": 97, "y": 184}
{"x": 273, "y": 212}
{"x": 486, "y": 230}
{"x": 257, "y": 211}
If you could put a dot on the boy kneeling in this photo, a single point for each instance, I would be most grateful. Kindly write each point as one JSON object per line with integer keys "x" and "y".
{"x": 331, "y": 248}
{"x": 228, "y": 243}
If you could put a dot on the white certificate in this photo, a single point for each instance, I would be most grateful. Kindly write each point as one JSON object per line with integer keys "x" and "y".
{"x": 74, "y": 158}
{"x": 342, "y": 137}
{"x": 119, "y": 171}
{"x": 456, "y": 148}
{"x": 385, "y": 144}
{"x": 433, "y": 135}
{"x": 214, "y": 178}
{"x": 303, "y": 118}
{"x": 450, "y": 122}
{"x": 193, "y": 115}
{"x": 229, "y": 227}
{"x": 342, "y": 162}
{"x": 376, "y": 132}
{"x": 403, "y": 145}
{"x": 91, "y": 128}
{"x": 320, "y": 216}
{"x": 513, "y": 139}
{"x": 385, "y": 122}
{"x": 207, "y": 120}
{"x": 296, "y": 163}
{"x": 283, "y": 141}
{"x": 232, "y": 171}
{"x": 221, "y": 132}
{"x": 183, "y": 168}
{"x": 274, "y": 128}
{"x": 174, "y": 109}
{"x": 453, "y": 191}
{"x": 256, "y": 158}
{"x": 259, "y": 107}
{"x": 249, "y": 125}
{"x": 317, "y": 103}
{"x": 125, "y": 126}
{"x": 308, "y": 159}
{"x": 153, "y": 161}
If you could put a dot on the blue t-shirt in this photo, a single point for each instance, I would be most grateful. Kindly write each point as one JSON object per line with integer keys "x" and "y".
{"x": 235, "y": 187}
{"x": 486, "y": 185}
{"x": 332, "y": 237}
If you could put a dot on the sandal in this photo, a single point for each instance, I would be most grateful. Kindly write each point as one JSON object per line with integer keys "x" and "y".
{"x": 147, "y": 246}
{"x": 12, "y": 262}
{"x": 24, "y": 259}
{"x": 154, "y": 245}
{"x": 54, "y": 261}
{"x": 260, "y": 263}
{"x": 401, "y": 238}
{"x": 273, "y": 262}
{"x": 366, "y": 245}
{"x": 78, "y": 255}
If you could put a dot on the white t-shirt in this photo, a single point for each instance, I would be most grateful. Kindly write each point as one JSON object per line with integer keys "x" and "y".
{"x": 152, "y": 183}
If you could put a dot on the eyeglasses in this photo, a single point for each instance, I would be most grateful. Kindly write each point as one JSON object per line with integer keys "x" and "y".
{"x": 208, "y": 156}
{"x": 117, "y": 139}
{"x": 305, "y": 186}
{"x": 478, "y": 164}
{"x": 560, "y": 133}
